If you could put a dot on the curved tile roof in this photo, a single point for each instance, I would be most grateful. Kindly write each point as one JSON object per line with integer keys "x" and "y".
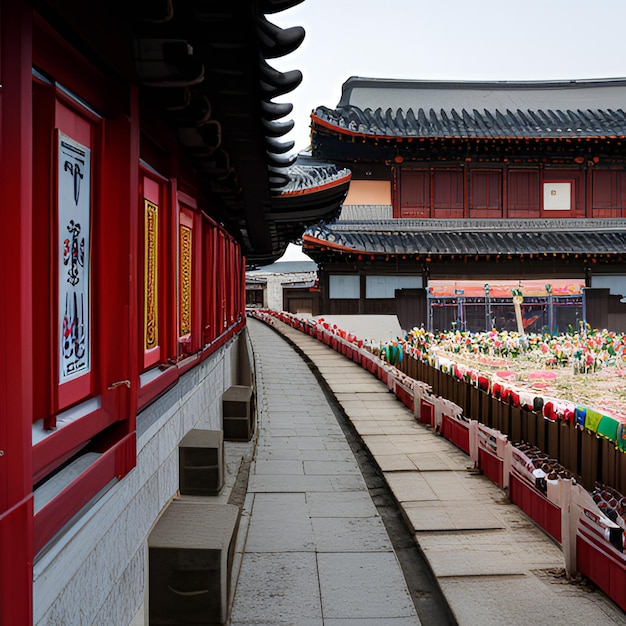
{"x": 204, "y": 68}
{"x": 459, "y": 237}
{"x": 548, "y": 109}
{"x": 307, "y": 175}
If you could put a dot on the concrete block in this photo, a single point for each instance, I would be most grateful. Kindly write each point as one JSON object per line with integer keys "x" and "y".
{"x": 190, "y": 555}
{"x": 238, "y": 413}
{"x": 201, "y": 462}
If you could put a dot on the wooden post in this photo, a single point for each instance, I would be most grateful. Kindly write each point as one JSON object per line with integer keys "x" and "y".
{"x": 569, "y": 525}
{"x": 517, "y": 303}
{"x": 16, "y": 334}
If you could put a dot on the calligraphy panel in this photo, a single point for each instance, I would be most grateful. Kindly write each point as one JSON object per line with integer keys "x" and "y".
{"x": 74, "y": 225}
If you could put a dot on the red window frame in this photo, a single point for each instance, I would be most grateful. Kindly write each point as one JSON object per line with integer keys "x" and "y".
{"x": 189, "y": 278}
{"x": 83, "y": 129}
{"x": 231, "y": 269}
{"x": 559, "y": 213}
{"x": 209, "y": 316}
{"x": 83, "y": 408}
{"x": 220, "y": 283}
{"x": 56, "y": 111}
{"x": 153, "y": 199}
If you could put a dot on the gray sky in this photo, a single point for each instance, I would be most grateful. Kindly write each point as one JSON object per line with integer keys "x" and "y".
{"x": 447, "y": 40}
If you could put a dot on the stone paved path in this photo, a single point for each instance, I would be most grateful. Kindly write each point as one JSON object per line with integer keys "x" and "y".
{"x": 492, "y": 563}
{"x": 316, "y": 551}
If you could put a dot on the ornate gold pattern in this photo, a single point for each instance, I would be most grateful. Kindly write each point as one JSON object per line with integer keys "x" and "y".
{"x": 151, "y": 275}
{"x": 185, "y": 280}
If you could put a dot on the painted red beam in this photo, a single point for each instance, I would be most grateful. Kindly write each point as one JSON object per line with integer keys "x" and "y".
{"x": 16, "y": 564}
{"x": 170, "y": 376}
{"x": 64, "y": 442}
{"x": 112, "y": 465}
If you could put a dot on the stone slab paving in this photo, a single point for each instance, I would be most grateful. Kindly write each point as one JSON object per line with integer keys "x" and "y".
{"x": 314, "y": 549}
{"x": 493, "y": 564}
{"x": 527, "y": 599}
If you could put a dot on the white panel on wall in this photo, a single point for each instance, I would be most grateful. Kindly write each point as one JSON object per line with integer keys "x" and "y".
{"x": 344, "y": 287}
{"x": 385, "y": 286}
{"x": 615, "y": 283}
{"x": 557, "y": 196}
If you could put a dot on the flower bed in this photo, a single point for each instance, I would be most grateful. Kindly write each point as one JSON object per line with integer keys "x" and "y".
{"x": 574, "y": 377}
{"x": 536, "y": 481}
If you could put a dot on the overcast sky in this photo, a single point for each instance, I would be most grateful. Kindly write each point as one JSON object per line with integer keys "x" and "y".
{"x": 447, "y": 40}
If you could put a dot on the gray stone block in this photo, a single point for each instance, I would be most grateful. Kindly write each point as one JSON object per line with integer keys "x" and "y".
{"x": 190, "y": 554}
{"x": 201, "y": 462}
{"x": 238, "y": 413}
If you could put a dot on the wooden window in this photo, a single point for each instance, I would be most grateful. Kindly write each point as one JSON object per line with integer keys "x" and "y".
{"x": 344, "y": 287}
{"x": 448, "y": 194}
{"x": 153, "y": 329}
{"x": 486, "y": 193}
{"x": 386, "y": 286}
{"x": 238, "y": 283}
{"x": 254, "y": 297}
{"x": 74, "y": 203}
{"x": 66, "y": 160}
{"x": 209, "y": 283}
{"x": 230, "y": 280}
{"x": 83, "y": 247}
{"x": 609, "y": 194}
{"x": 221, "y": 283}
{"x": 523, "y": 194}
{"x": 188, "y": 340}
{"x": 414, "y": 193}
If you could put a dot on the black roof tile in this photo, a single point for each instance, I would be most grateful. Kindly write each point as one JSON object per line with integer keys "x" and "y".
{"x": 548, "y": 109}
{"x": 491, "y": 237}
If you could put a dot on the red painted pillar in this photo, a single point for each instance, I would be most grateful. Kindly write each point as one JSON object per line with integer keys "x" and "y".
{"x": 16, "y": 346}
{"x": 117, "y": 231}
{"x": 118, "y": 323}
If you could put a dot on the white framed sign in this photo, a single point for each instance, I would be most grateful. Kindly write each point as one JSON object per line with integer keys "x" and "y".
{"x": 557, "y": 196}
{"x": 74, "y": 227}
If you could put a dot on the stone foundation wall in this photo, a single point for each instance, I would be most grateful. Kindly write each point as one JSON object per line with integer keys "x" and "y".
{"x": 95, "y": 571}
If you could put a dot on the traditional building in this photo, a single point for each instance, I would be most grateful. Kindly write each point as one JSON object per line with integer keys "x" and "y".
{"x": 486, "y": 181}
{"x": 143, "y": 167}
{"x": 284, "y": 286}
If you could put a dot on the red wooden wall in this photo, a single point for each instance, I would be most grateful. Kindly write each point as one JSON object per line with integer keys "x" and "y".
{"x": 16, "y": 362}
{"x": 506, "y": 192}
{"x": 47, "y": 88}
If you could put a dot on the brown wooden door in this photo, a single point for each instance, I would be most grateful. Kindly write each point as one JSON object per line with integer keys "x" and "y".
{"x": 486, "y": 194}
{"x": 415, "y": 193}
{"x": 523, "y": 194}
{"x": 448, "y": 194}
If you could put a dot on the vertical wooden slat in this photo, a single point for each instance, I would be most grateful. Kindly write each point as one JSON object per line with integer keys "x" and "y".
{"x": 552, "y": 439}
{"x": 589, "y": 459}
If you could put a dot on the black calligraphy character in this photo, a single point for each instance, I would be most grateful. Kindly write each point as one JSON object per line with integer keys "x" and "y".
{"x": 69, "y": 322}
{"x": 79, "y": 330}
{"x": 75, "y": 171}
{"x": 74, "y": 253}
{"x": 73, "y": 331}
